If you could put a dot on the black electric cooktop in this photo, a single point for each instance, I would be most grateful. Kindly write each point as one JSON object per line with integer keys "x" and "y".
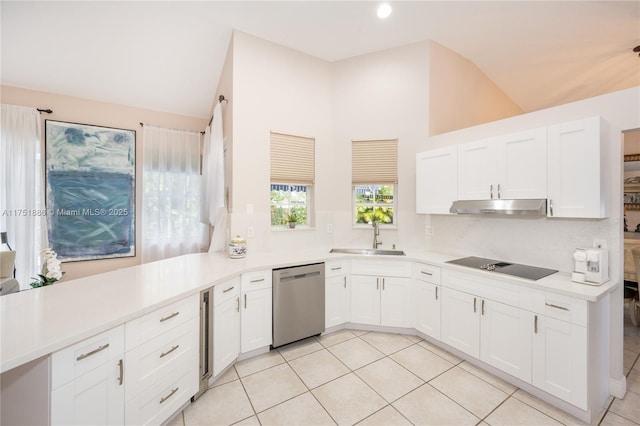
{"x": 522, "y": 271}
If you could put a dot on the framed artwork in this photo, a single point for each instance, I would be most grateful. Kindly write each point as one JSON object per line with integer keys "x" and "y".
{"x": 90, "y": 180}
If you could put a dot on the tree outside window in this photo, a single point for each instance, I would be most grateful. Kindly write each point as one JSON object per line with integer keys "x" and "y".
{"x": 289, "y": 201}
{"x": 374, "y": 203}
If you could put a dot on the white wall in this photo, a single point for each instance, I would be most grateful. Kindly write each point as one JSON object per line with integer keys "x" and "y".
{"x": 381, "y": 95}
{"x": 279, "y": 89}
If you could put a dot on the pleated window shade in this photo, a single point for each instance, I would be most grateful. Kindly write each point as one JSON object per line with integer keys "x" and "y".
{"x": 292, "y": 159}
{"x": 374, "y": 161}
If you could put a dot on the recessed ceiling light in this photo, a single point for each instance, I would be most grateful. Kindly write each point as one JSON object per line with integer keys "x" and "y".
{"x": 384, "y": 10}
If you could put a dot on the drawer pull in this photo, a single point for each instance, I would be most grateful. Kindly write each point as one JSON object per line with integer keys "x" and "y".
{"x": 337, "y": 268}
{"x": 551, "y": 305}
{"x": 229, "y": 289}
{"x": 163, "y": 399}
{"x": 426, "y": 273}
{"x": 121, "y": 368}
{"x": 257, "y": 281}
{"x": 93, "y": 352}
{"x": 162, "y": 355}
{"x": 175, "y": 314}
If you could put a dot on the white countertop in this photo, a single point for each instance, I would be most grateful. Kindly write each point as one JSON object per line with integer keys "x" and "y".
{"x": 37, "y": 322}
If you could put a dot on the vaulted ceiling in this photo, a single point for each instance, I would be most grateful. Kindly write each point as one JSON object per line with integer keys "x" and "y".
{"x": 168, "y": 55}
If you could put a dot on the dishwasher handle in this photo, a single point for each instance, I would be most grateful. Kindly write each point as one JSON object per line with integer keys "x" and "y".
{"x": 300, "y": 276}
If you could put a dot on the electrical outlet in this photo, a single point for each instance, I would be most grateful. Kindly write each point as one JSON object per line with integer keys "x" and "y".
{"x": 428, "y": 230}
{"x": 249, "y": 231}
{"x": 601, "y": 244}
{"x": 329, "y": 228}
{"x": 249, "y": 208}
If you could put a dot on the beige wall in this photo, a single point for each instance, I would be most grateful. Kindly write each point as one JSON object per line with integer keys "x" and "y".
{"x": 66, "y": 108}
{"x": 461, "y": 95}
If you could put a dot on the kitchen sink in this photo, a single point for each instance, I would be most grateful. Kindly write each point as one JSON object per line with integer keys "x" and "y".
{"x": 369, "y": 252}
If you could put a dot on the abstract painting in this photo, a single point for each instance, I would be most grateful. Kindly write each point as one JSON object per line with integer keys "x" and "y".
{"x": 90, "y": 172}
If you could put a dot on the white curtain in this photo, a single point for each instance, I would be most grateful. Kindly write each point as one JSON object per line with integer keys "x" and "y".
{"x": 22, "y": 207}
{"x": 213, "y": 210}
{"x": 171, "y": 194}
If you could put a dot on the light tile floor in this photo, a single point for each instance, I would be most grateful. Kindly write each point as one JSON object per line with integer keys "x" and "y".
{"x": 368, "y": 378}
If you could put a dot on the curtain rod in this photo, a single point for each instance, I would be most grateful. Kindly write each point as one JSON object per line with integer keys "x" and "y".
{"x": 182, "y": 130}
{"x": 48, "y": 110}
{"x": 221, "y": 99}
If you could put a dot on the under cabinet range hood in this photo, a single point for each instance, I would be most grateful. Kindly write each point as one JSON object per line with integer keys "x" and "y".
{"x": 532, "y": 207}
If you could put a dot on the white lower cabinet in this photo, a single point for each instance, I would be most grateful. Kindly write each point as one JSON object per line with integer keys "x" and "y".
{"x": 505, "y": 338}
{"x": 87, "y": 381}
{"x": 337, "y": 293}
{"x": 256, "y": 311}
{"x": 381, "y": 299}
{"x": 427, "y": 295}
{"x": 226, "y": 324}
{"x": 493, "y": 332}
{"x": 560, "y": 360}
{"x": 460, "y": 321}
{"x": 161, "y": 362}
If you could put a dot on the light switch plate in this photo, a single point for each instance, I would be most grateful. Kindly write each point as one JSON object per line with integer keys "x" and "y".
{"x": 249, "y": 231}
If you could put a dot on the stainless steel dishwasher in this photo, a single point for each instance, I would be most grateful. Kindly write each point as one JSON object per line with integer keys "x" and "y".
{"x": 298, "y": 303}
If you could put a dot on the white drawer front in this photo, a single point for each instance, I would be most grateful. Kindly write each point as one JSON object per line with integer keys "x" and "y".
{"x": 146, "y": 365}
{"x": 75, "y": 361}
{"x": 428, "y": 273}
{"x": 336, "y": 268}
{"x": 565, "y": 308}
{"x": 256, "y": 280}
{"x": 157, "y": 403}
{"x": 380, "y": 268}
{"x": 226, "y": 290}
{"x": 149, "y": 326}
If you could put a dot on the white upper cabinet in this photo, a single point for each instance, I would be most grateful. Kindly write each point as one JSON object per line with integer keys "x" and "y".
{"x": 436, "y": 180}
{"x": 512, "y": 166}
{"x": 575, "y": 163}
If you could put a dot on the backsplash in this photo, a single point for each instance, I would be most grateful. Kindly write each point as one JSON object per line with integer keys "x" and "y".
{"x": 543, "y": 242}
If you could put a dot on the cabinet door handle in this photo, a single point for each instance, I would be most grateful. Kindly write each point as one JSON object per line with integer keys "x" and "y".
{"x": 482, "y": 307}
{"x": 229, "y": 289}
{"x": 163, "y": 399}
{"x": 121, "y": 368}
{"x": 383, "y": 283}
{"x": 345, "y": 281}
{"x": 245, "y": 300}
{"x": 535, "y": 324}
{"x": 93, "y": 352}
{"x": 551, "y": 305}
{"x": 377, "y": 283}
{"x": 491, "y": 190}
{"x": 550, "y": 207}
{"x": 175, "y": 314}
{"x": 474, "y": 305}
{"x": 162, "y": 355}
{"x": 436, "y": 293}
{"x": 426, "y": 273}
{"x": 238, "y": 304}
{"x": 256, "y": 281}
{"x": 498, "y": 191}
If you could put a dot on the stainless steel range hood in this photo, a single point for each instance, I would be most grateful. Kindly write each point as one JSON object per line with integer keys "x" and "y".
{"x": 535, "y": 207}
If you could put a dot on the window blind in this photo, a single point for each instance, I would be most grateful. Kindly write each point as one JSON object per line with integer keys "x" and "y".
{"x": 374, "y": 161}
{"x": 292, "y": 159}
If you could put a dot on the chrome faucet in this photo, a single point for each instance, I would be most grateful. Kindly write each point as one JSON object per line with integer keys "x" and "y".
{"x": 376, "y": 234}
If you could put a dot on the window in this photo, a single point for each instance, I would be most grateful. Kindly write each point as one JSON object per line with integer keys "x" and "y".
{"x": 292, "y": 178}
{"x": 374, "y": 178}
{"x": 374, "y": 203}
